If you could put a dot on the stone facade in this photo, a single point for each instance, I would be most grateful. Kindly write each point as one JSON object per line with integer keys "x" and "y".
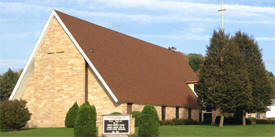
{"x": 57, "y": 80}
{"x": 171, "y": 112}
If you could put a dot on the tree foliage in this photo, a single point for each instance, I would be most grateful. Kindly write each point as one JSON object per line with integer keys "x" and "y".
{"x": 195, "y": 61}
{"x": 149, "y": 124}
{"x": 137, "y": 116}
{"x": 7, "y": 83}
{"x": 71, "y": 116}
{"x": 85, "y": 122}
{"x": 13, "y": 114}
{"x": 223, "y": 80}
{"x": 260, "y": 83}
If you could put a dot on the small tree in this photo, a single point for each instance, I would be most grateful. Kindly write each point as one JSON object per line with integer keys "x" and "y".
{"x": 71, "y": 116}
{"x": 195, "y": 61}
{"x": 85, "y": 123}
{"x": 149, "y": 125}
{"x": 13, "y": 114}
{"x": 7, "y": 83}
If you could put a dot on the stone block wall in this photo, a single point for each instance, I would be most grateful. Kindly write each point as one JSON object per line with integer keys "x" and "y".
{"x": 57, "y": 80}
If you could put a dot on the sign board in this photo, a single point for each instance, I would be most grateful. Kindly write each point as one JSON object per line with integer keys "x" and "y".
{"x": 116, "y": 124}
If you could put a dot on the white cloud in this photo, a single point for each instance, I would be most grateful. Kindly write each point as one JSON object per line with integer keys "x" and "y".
{"x": 186, "y": 36}
{"x": 270, "y": 60}
{"x": 12, "y": 62}
{"x": 265, "y": 39}
{"x": 19, "y": 35}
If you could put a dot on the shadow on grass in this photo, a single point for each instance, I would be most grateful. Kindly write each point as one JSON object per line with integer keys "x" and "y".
{"x": 10, "y": 130}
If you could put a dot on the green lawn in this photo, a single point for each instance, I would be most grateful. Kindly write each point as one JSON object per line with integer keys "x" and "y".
{"x": 165, "y": 131}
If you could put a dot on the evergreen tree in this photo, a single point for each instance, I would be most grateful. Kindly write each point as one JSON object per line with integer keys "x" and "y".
{"x": 71, "y": 116}
{"x": 7, "y": 83}
{"x": 211, "y": 87}
{"x": 224, "y": 83}
{"x": 236, "y": 77}
{"x": 260, "y": 83}
{"x": 149, "y": 123}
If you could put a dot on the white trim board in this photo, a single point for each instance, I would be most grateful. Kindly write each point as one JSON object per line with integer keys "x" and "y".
{"x": 54, "y": 14}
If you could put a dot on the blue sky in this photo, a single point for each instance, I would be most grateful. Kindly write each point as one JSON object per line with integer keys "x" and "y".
{"x": 184, "y": 24}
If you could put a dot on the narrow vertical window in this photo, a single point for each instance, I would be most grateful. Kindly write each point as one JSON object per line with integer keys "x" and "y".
{"x": 129, "y": 108}
{"x": 177, "y": 112}
{"x": 163, "y": 112}
{"x": 189, "y": 113}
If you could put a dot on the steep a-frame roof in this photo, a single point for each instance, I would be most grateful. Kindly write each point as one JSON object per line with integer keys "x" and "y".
{"x": 136, "y": 71}
{"x": 132, "y": 70}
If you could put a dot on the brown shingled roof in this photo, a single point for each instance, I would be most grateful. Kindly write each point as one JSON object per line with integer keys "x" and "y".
{"x": 136, "y": 71}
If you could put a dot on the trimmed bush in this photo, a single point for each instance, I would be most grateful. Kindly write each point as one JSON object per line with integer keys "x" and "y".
{"x": 179, "y": 122}
{"x": 264, "y": 121}
{"x": 232, "y": 121}
{"x": 149, "y": 125}
{"x": 115, "y": 113}
{"x": 85, "y": 122}
{"x": 13, "y": 114}
{"x": 137, "y": 116}
{"x": 71, "y": 115}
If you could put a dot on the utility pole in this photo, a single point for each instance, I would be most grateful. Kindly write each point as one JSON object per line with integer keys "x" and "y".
{"x": 222, "y": 10}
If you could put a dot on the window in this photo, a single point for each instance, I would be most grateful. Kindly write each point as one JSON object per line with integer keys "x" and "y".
{"x": 163, "y": 111}
{"x": 177, "y": 112}
{"x": 189, "y": 113}
{"x": 129, "y": 108}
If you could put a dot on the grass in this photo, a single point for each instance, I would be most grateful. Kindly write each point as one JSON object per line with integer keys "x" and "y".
{"x": 260, "y": 130}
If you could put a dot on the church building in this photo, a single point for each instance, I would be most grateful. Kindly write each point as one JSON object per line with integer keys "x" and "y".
{"x": 77, "y": 61}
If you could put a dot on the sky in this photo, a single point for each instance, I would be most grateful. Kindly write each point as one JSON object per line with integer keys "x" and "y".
{"x": 184, "y": 24}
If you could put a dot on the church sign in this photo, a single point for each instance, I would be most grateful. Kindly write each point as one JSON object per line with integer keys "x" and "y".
{"x": 116, "y": 124}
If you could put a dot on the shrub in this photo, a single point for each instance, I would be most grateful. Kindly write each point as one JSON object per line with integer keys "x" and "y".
{"x": 179, "y": 122}
{"x": 192, "y": 122}
{"x": 149, "y": 125}
{"x": 85, "y": 122}
{"x": 115, "y": 113}
{"x": 232, "y": 121}
{"x": 71, "y": 115}
{"x": 137, "y": 116}
{"x": 264, "y": 121}
{"x": 13, "y": 114}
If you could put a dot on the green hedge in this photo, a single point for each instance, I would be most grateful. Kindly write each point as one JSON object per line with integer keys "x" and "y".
{"x": 85, "y": 123}
{"x": 264, "y": 121}
{"x": 179, "y": 122}
{"x": 137, "y": 116}
{"x": 13, "y": 114}
{"x": 115, "y": 113}
{"x": 232, "y": 121}
{"x": 71, "y": 116}
{"x": 149, "y": 125}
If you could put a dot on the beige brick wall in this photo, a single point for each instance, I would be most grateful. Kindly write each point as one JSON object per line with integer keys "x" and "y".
{"x": 195, "y": 114}
{"x": 170, "y": 113}
{"x": 57, "y": 81}
{"x": 183, "y": 113}
{"x": 99, "y": 97}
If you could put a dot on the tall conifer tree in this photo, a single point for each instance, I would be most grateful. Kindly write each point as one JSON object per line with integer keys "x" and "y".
{"x": 224, "y": 83}
{"x": 236, "y": 77}
{"x": 260, "y": 83}
{"x": 211, "y": 87}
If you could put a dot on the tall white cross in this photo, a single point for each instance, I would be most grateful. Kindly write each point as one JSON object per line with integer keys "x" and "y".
{"x": 222, "y": 10}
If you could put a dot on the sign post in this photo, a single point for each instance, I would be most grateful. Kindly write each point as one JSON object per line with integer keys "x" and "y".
{"x": 116, "y": 124}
